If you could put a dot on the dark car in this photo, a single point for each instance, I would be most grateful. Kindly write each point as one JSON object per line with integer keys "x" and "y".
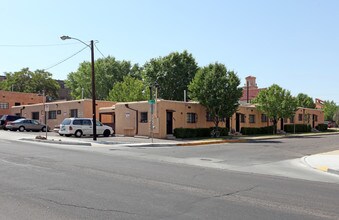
{"x": 5, "y": 119}
{"x": 24, "y": 124}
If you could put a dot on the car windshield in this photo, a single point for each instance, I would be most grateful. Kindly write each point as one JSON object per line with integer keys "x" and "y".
{"x": 99, "y": 123}
{"x": 18, "y": 120}
{"x": 66, "y": 121}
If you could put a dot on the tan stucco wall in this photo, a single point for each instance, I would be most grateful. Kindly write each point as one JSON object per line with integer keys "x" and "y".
{"x": 83, "y": 106}
{"x": 126, "y": 123}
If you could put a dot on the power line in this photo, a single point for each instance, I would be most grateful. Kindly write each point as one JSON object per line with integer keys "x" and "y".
{"x": 99, "y": 51}
{"x": 35, "y": 45}
{"x": 65, "y": 59}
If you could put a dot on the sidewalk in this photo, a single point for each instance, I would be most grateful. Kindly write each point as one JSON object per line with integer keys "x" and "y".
{"x": 327, "y": 162}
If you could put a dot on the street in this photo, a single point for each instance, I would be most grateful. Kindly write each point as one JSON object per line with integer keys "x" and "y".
{"x": 258, "y": 180}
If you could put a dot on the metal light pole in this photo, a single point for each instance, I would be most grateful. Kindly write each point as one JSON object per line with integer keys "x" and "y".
{"x": 45, "y": 115}
{"x": 91, "y": 46}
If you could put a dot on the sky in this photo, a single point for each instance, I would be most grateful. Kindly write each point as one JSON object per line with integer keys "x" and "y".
{"x": 292, "y": 43}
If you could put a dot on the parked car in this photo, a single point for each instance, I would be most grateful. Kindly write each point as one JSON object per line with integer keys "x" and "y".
{"x": 24, "y": 124}
{"x": 5, "y": 119}
{"x": 83, "y": 126}
{"x": 331, "y": 124}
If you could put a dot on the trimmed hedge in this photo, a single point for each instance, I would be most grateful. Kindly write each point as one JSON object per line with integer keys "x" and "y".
{"x": 262, "y": 130}
{"x": 298, "y": 128}
{"x": 321, "y": 127}
{"x": 197, "y": 132}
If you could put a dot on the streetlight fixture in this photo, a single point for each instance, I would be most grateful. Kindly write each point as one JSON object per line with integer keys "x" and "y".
{"x": 91, "y": 46}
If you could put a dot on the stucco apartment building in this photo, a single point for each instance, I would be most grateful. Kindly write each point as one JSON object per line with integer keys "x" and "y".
{"x": 58, "y": 111}
{"x": 134, "y": 118}
{"x": 9, "y": 99}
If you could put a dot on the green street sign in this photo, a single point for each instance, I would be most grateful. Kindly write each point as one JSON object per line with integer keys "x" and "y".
{"x": 152, "y": 101}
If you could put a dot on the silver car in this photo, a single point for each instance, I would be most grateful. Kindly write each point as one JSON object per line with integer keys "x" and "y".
{"x": 24, "y": 124}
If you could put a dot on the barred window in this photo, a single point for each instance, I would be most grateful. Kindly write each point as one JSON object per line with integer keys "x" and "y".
{"x": 52, "y": 115}
{"x": 35, "y": 115}
{"x": 263, "y": 118}
{"x": 143, "y": 117}
{"x": 252, "y": 118}
{"x": 4, "y": 105}
{"x": 292, "y": 119}
{"x": 191, "y": 117}
{"x": 242, "y": 118}
{"x": 300, "y": 117}
{"x": 74, "y": 113}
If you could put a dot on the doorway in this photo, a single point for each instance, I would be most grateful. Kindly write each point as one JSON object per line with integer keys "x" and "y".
{"x": 237, "y": 122}
{"x": 169, "y": 122}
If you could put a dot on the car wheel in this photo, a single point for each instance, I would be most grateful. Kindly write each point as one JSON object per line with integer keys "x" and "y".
{"x": 107, "y": 133}
{"x": 43, "y": 129}
{"x": 78, "y": 133}
{"x": 61, "y": 134}
{"x": 21, "y": 128}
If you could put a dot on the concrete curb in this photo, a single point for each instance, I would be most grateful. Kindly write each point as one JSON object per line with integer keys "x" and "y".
{"x": 213, "y": 142}
{"x": 320, "y": 167}
{"x": 56, "y": 141}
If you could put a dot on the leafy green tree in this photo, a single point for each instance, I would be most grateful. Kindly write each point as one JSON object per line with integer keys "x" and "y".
{"x": 173, "y": 73}
{"x": 329, "y": 110}
{"x": 108, "y": 71}
{"x": 276, "y": 103}
{"x": 32, "y": 82}
{"x": 305, "y": 101}
{"x": 336, "y": 116}
{"x": 130, "y": 89}
{"x": 217, "y": 89}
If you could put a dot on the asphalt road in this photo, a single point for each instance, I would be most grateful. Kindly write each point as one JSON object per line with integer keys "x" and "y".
{"x": 39, "y": 181}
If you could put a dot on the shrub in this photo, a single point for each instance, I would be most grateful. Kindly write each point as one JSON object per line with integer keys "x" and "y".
{"x": 261, "y": 130}
{"x": 298, "y": 128}
{"x": 321, "y": 127}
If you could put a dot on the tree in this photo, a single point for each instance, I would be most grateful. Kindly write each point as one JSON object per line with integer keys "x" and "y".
{"x": 108, "y": 71}
{"x": 217, "y": 89}
{"x": 31, "y": 82}
{"x": 173, "y": 73}
{"x": 305, "y": 101}
{"x": 329, "y": 110}
{"x": 276, "y": 103}
{"x": 336, "y": 116}
{"x": 130, "y": 89}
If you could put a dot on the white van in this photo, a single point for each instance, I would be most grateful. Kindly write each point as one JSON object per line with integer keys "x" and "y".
{"x": 82, "y": 126}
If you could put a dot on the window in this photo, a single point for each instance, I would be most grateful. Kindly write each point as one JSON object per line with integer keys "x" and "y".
{"x": 315, "y": 117}
{"x": 263, "y": 118}
{"x": 191, "y": 117}
{"x": 74, "y": 113}
{"x": 300, "y": 117}
{"x": 242, "y": 118}
{"x": 52, "y": 115}
{"x": 86, "y": 122}
{"x": 285, "y": 120}
{"x": 35, "y": 115}
{"x": 292, "y": 119}
{"x": 3, "y": 105}
{"x": 17, "y": 103}
{"x": 252, "y": 118}
{"x": 209, "y": 116}
{"x": 143, "y": 117}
